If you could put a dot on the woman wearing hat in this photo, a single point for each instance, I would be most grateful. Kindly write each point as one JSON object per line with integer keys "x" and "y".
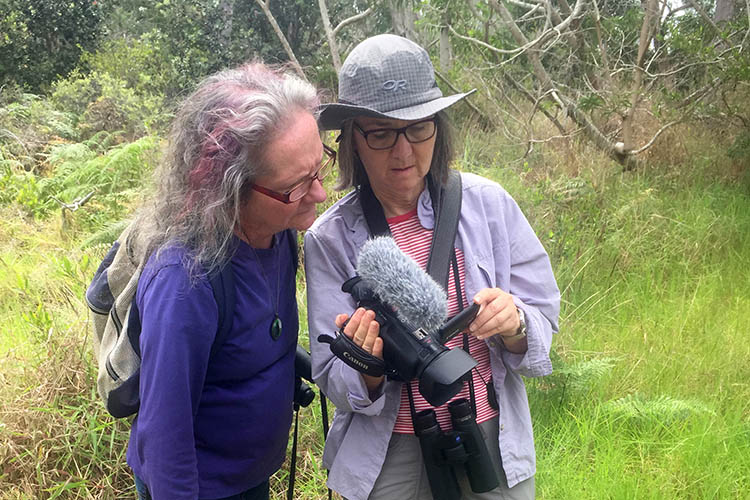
{"x": 396, "y": 142}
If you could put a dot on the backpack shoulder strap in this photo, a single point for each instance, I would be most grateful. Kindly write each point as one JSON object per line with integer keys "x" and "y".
{"x": 222, "y": 287}
{"x": 292, "y": 239}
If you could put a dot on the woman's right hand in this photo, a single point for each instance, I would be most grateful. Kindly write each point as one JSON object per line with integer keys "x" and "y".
{"x": 365, "y": 332}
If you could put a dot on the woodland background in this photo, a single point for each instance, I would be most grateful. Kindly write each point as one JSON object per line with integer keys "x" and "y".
{"x": 621, "y": 127}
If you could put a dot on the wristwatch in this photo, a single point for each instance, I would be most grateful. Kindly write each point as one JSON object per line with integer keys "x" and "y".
{"x": 521, "y": 332}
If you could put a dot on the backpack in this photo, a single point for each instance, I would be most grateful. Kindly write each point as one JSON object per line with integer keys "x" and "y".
{"x": 117, "y": 325}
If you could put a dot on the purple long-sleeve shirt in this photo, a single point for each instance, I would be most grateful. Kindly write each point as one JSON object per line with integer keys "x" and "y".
{"x": 500, "y": 250}
{"x": 214, "y": 429}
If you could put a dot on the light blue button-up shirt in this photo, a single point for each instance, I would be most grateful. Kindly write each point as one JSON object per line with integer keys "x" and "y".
{"x": 500, "y": 250}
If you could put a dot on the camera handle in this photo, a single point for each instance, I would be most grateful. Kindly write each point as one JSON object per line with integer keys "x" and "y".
{"x": 350, "y": 353}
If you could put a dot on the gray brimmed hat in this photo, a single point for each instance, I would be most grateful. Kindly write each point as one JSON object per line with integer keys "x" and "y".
{"x": 386, "y": 76}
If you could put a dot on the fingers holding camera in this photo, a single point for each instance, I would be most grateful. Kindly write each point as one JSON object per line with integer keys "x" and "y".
{"x": 363, "y": 330}
{"x": 497, "y": 315}
{"x": 341, "y": 319}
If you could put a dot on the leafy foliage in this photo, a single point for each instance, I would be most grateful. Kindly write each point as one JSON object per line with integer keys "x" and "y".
{"x": 77, "y": 169}
{"x": 41, "y": 39}
{"x": 103, "y": 102}
{"x": 662, "y": 411}
{"x": 582, "y": 378}
{"x": 28, "y": 125}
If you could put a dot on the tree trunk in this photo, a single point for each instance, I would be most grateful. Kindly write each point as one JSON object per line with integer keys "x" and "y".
{"x": 649, "y": 16}
{"x": 331, "y": 37}
{"x": 272, "y": 21}
{"x": 227, "y": 13}
{"x": 725, "y": 10}
{"x": 445, "y": 49}
{"x": 402, "y": 21}
{"x": 602, "y": 45}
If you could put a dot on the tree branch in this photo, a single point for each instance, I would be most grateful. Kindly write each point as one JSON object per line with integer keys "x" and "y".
{"x": 744, "y": 39}
{"x": 650, "y": 11}
{"x": 527, "y": 6}
{"x": 486, "y": 45}
{"x": 75, "y": 204}
{"x": 705, "y": 16}
{"x": 468, "y": 102}
{"x": 525, "y": 93}
{"x": 526, "y": 45}
{"x": 651, "y": 142}
{"x": 353, "y": 19}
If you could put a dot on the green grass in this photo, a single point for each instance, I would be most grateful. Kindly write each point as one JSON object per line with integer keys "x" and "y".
{"x": 656, "y": 278}
{"x": 651, "y": 392}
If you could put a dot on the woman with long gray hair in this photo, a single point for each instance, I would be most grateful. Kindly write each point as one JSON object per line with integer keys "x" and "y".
{"x": 242, "y": 172}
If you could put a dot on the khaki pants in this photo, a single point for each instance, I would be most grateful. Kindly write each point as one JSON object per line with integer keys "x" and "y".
{"x": 403, "y": 476}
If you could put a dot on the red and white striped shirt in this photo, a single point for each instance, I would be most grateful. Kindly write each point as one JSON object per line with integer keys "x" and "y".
{"x": 414, "y": 240}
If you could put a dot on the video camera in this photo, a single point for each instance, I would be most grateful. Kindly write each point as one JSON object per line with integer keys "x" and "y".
{"x": 409, "y": 351}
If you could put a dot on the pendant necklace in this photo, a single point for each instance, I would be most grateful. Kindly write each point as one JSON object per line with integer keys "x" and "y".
{"x": 275, "y": 328}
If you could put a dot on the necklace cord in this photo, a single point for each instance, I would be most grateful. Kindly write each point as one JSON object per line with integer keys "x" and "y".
{"x": 275, "y": 329}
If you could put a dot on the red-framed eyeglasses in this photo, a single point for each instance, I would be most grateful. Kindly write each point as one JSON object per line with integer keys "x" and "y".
{"x": 298, "y": 191}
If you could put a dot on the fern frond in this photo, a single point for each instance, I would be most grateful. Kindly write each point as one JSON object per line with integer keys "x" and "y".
{"x": 107, "y": 235}
{"x": 663, "y": 410}
{"x": 580, "y": 377}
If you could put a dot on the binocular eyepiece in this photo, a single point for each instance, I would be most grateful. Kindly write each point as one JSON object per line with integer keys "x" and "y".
{"x": 444, "y": 450}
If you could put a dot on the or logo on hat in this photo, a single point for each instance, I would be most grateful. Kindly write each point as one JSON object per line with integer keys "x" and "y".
{"x": 394, "y": 85}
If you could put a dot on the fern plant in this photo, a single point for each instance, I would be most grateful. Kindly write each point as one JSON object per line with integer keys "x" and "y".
{"x": 77, "y": 170}
{"x": 665, "y": 411}
{"x": 572, "y": 382}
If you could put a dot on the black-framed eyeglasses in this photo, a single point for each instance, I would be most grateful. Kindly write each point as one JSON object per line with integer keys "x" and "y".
{"x": 386, "y": 138}
{"x": 299, "y": 190}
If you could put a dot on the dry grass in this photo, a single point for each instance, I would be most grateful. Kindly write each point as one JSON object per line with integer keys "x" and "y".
{"x": 55, "y": 435}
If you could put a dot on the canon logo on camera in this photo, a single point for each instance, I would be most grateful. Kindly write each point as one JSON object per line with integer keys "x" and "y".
{"x": 356, "y": 361}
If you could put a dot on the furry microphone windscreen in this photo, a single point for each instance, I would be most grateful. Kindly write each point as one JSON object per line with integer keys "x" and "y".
{"x": 399, "y": 281}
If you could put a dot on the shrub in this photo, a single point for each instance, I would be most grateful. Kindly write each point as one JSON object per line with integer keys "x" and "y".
{"x": 28, "y": 125}
{"x": 78, "y": 169}
{"x": 41, "y": 39}
{"x": 106, "y": 103}
{"x": 140, "y": 64}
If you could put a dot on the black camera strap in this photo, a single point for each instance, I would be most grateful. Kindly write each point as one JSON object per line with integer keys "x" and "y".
{"x": 446, "y": 205}
{"x": 447, "y": 211}
{"x": 460, "y": 302}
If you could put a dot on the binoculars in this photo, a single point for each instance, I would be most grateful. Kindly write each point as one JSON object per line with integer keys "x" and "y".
{"x": 443, "y": 451}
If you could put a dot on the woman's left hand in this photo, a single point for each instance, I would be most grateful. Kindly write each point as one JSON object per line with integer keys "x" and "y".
{"x": 497, "y": 314}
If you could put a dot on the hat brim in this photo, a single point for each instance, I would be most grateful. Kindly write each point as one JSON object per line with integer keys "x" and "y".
{"x": 332, "y": 115}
